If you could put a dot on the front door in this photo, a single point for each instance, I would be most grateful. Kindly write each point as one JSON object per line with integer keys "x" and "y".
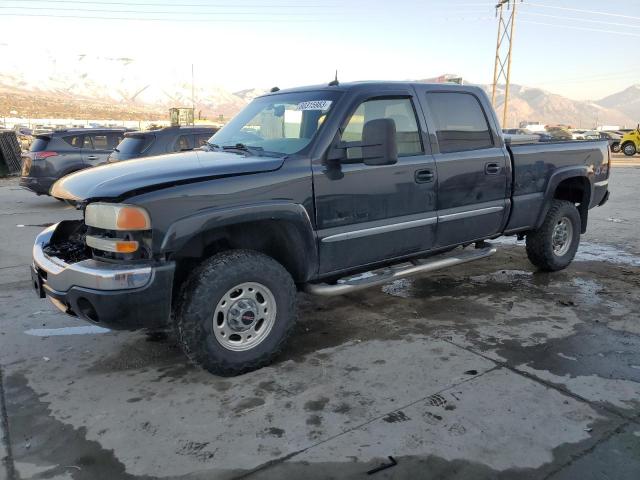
{"x": 472, "y": 167}
{"x": 367, "y": 214}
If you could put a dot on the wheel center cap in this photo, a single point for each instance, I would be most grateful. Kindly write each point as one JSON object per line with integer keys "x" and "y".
{"x": 242, "y": 315}
{"x": 247, "y": 317}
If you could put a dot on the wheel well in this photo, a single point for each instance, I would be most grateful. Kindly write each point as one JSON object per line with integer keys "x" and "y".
{"x": 281, "y": 240}
{"x": 578, "y": 191}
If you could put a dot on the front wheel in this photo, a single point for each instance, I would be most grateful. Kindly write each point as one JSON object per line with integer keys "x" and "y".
{"x": 615, "y": 148}
{"x": 235, "y": 312}
{"x": 553, "y": 246}
{"x": 629, "y": 149}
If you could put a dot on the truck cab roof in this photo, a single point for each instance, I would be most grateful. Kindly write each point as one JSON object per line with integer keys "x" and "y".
{"x": 374, "y": 85}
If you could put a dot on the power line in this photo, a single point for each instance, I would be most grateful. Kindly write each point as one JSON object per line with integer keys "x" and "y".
{"x": 143, "y": 12}
{"x": 611, "y": 32}
{"x": 555, "y": 7}
{"x": 150, "y": 19}
{"x": 628, "y": 25}
{"x": 196, "y": 5}
{"x": 592, "y": 78}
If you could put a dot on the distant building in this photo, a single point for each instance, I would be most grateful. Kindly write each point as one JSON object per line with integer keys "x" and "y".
{"x": 446, "y": 78}
{"x": 532, "y": 126}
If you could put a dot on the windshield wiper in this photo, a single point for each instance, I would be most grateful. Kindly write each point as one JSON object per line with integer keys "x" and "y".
{"x": 244, "y": 148}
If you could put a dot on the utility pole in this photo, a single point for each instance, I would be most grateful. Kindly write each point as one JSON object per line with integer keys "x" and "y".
{"x": 506, "y": 13}
{"x": 193, "y": 97}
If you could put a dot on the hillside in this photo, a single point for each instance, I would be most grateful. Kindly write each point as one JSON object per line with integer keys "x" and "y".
{"x": 534, "y": 104}
{"x": 627, "y": 101}
{"x": 135, "y": 97}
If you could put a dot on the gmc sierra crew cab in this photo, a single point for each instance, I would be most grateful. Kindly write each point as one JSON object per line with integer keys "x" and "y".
{"x": 327, "y": 189}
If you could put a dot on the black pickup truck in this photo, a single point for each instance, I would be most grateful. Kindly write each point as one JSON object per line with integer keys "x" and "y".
{"x": 327, "y": 189}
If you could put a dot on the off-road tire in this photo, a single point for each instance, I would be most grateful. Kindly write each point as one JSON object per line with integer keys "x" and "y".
{"x": 203, "y": 289}
{"x": 629, "y": 149}
{"x": 540, "y": 242}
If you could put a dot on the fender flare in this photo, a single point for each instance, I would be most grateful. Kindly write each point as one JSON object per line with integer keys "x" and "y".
{"x": 183, "y": 230}
{"x": 556, "y": 179}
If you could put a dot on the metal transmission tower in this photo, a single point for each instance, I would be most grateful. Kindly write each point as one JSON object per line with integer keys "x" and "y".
{"x": 506, "y": 12}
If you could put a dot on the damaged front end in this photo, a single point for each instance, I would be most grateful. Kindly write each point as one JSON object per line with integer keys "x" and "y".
{"x": 68, "y": 242}
{"x": 119, "y": 294}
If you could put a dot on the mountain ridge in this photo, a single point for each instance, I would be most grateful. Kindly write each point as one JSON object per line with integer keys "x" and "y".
{"x": 78, "y": 95}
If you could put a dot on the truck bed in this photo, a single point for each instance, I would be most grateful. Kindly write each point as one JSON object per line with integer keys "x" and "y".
{"x": 537, "y": 167}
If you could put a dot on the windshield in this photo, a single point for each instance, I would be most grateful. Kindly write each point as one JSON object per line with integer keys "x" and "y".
{"x": 278, "y": 124}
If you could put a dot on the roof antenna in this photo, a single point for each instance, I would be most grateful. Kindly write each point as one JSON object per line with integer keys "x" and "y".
{"x": 274, "y": 89}
{"x": 335, "y": 81}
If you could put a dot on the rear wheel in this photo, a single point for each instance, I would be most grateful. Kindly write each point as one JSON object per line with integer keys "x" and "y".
{"x": 236, "y": 312}
{"x": 553, "y": 246}
{"x": 615, "y": 148}
{"x": 629, "y": 149}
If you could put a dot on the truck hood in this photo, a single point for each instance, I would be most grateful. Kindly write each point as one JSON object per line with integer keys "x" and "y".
{"x": 118, "y": 179}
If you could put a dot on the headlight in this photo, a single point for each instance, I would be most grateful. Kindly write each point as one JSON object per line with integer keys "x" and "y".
{"x": 114, "y": 216}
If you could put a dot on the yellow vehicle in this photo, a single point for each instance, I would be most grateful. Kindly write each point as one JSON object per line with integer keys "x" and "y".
{"x": 630, "y": 143}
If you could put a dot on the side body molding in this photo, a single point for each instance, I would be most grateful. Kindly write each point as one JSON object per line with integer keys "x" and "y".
{"x": 292, "y": 214}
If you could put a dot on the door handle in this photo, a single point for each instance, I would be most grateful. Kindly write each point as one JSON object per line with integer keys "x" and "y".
{"x": 92, "y": 157}
{"x": 492, "y": 169}
{"x": 424, "y": 176}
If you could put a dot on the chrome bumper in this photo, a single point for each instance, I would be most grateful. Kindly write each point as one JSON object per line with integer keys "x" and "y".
{"x": 61, "y": 276}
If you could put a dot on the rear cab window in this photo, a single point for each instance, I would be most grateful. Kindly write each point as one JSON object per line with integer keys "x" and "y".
{"x": 460, "y": 122}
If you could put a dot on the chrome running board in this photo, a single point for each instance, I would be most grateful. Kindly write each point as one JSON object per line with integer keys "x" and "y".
{"x": 395, "y": 272}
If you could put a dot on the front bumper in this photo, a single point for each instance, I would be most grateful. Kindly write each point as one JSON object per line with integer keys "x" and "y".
{"x": 39, "y": 185}
{"x": 120, "y": 296}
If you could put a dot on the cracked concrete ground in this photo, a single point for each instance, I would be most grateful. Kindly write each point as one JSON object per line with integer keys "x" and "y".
{"x": 489, "y": 370}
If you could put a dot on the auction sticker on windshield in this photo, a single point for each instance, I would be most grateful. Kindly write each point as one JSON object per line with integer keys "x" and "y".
{"x": 322, "y": 105}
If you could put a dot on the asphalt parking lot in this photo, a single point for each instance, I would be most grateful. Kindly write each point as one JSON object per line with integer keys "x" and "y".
{"x": 489, "y": 370}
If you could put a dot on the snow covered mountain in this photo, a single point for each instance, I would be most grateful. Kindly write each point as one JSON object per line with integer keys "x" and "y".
{"x": 123, "y": 88}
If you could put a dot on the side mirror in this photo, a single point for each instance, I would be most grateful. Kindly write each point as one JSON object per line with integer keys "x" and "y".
{"x": 379, "y": 146}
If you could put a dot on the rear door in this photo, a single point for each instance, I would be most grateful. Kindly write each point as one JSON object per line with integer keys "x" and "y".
{"x": 472, "y": 165}
{"x": 97, "y": 148}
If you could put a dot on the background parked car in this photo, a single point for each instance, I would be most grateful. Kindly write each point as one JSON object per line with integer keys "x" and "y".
{"x": 589, "y": 135}
{"x": 518, "y": 131}
{"x": 614, "y": 140}
{"x": 559, "y": 133}
{"x": 55, "y": 154}
{"x": 157, "y": 142}
{"x": 630, "y": 143}
{"x": 547, "y": 137}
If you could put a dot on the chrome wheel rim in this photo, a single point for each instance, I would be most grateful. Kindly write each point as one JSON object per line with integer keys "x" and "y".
{"x": 562, "y": 236}
{"x": 629, "y": 149}
{"x": 244, "y": 316}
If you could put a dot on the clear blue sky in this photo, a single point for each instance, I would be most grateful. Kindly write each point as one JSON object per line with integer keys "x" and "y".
{"x": 257, "y": 43}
